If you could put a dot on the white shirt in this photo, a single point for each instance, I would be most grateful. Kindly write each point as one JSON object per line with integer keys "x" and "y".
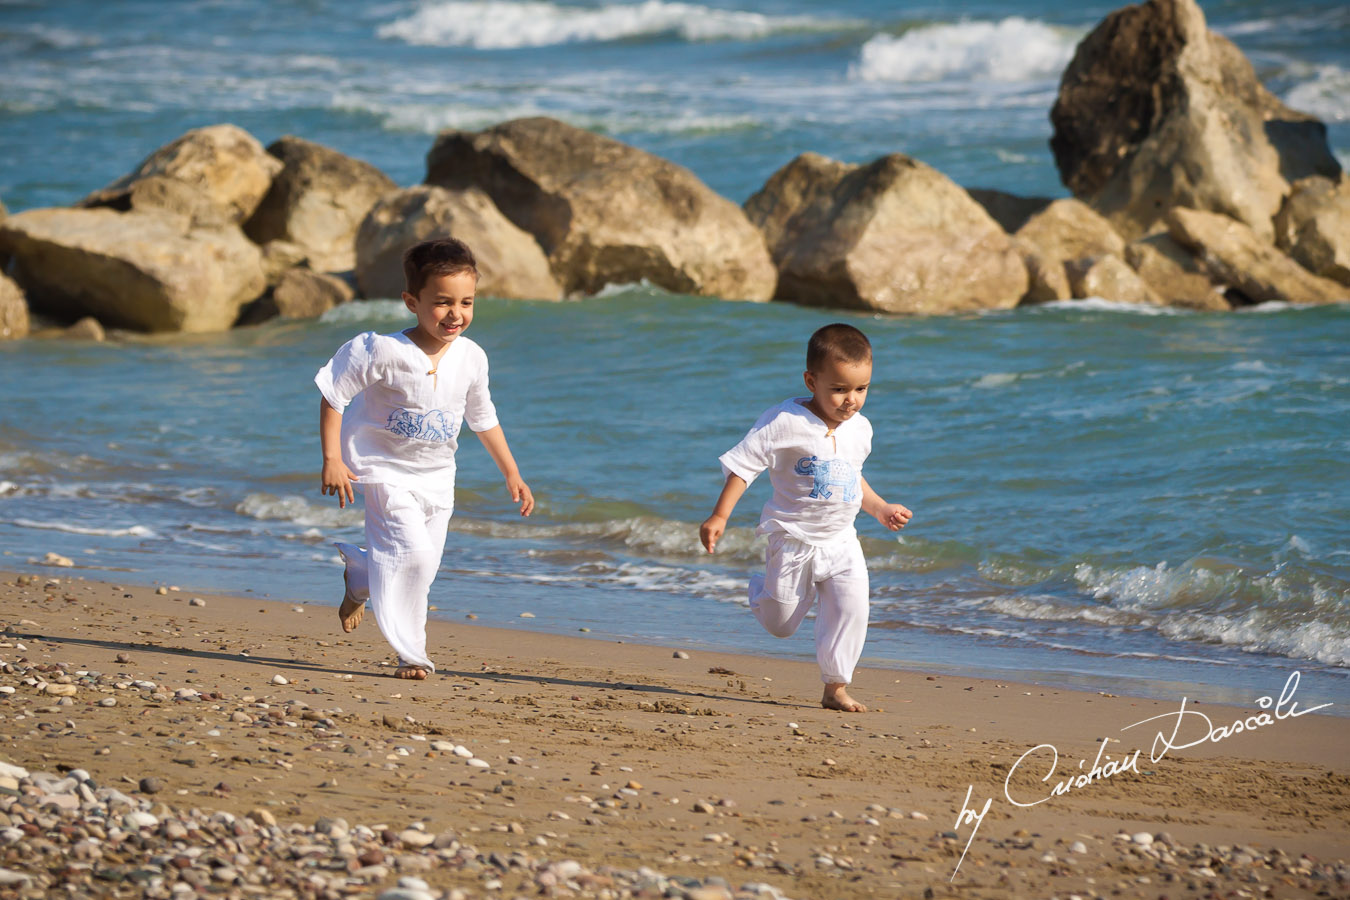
{"x": 816, "y": 474}
{"x": 400, "y": 422}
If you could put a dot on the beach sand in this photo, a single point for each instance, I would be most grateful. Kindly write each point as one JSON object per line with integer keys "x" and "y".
{"x": 655, "y": 773}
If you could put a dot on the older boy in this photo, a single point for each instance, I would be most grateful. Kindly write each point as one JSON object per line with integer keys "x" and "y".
{"x": 814, "y": 448}
{"x": 389, "y": 422}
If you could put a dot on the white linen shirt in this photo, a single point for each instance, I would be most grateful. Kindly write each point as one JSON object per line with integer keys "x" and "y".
{"x": 816, "y": 474}
{"x": 400, "y": 422}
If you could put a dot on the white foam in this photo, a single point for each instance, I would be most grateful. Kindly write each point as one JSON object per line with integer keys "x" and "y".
{"x": 509, "y": 24}
{"x": 1012, "y": 50}
{"x": 367, "y": 311}
{"x": 996, "y": 380}
{"x": 1326, "y": 94}
{"x": 299, "y": 511}
{"x": 69, "y": 528}
{"x": 1100, "y": 304}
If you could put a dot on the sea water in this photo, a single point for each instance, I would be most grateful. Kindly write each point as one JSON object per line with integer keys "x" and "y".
{"x": 1143, "y": 501}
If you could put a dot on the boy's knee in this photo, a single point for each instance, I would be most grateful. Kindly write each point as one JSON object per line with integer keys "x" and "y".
{"x": 775, "y": 616}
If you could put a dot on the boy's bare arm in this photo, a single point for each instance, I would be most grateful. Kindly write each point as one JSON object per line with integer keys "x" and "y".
{"x": 893, "y": 516}
{"x": 335, "y": 477}
{"x": 494, "y": 439}
{"x": 712, "y": 528}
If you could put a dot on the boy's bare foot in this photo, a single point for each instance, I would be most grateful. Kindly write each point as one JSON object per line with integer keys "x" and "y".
{"x": 352, "y": 611}
{"x": 836, "y": 697}
{"x": 411, "y": 673}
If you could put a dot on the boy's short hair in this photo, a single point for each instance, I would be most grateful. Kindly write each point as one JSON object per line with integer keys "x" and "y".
{"x": 443, "y": 256}
{"x": 838, "y": 341}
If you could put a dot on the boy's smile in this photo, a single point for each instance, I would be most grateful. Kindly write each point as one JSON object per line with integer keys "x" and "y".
{"x": 838, "y": 390}
{"x": 444, "y": 309}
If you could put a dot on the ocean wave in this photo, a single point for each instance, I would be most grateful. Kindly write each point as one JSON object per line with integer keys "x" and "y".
{"x": 364, "y": 311}
{"x": 1099, "y": 304}
{"x": 1326, "y": 94}
{"x": 44, "y": 37}
{"x": 1011, "y": 50}
{"x": 511, "y": 24}
{"x": 299, "y": 511}
{"x": 71, "y": 528}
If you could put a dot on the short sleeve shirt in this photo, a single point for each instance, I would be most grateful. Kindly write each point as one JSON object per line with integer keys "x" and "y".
{"x": 401, "y": 420}
{"x": 816, "y": 473}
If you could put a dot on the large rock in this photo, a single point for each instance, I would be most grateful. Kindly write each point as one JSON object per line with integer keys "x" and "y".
{"x": 298, "y": 294}
{"x": 1110, "y": 278}
{"x": 1173, "y": 272}
{"x": 510, "y": 261}
{"x": 14, "y": 321}
{"x": 1065, "y": 232}
{"x": 1314, "y": 227}
{"x": 607, "y": 213}
{"x": 317, "y": 202}
{"x": 220, "y": 168}
{"x": 1238, "y": 257}
{"x": 1155, "y": 111}
{"x": 894, "y": 235}
{"x": 150, "y": 272}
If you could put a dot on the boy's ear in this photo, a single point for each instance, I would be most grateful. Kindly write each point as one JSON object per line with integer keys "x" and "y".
{"x": 410, "y": 301}
{"x": 810, "y": 378}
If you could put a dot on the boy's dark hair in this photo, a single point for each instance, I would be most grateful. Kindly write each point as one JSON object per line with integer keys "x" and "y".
{"x": 444, "y": 256}
{"x": 838, "y": 341}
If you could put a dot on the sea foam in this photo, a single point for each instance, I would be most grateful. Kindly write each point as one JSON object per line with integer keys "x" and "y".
{"x": 1011, "y": 50}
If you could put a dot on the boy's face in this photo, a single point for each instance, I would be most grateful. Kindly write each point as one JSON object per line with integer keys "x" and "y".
{"x": 444, "y": 306}
{"x": 838, "y": 389}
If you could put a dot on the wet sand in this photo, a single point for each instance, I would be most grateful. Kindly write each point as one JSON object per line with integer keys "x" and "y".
{"x": 713, "y": 772}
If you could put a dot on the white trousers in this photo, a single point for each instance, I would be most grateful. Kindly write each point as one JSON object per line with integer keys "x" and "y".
{"x": 796, "y": 574}
{"x": 405, "y": 537}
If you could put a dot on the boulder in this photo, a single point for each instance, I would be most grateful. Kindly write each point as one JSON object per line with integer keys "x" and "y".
{"x": 607, "y": 213}
{"x": 1314, "y": 227}
{"x": 1155, "y": 111}
{"x": 138, "y": 270}
{"x": 1110, "y": 278}
{"x": 510, "y": 261}
{"x": 223, "y": 167}
{"x": 317, "y": 201}
{"x": 1235, "y": 255}
{"x": 1008, "y": 210}
{"x": 299, "y": 294}
{"x": 1173, "y": 272}
{"x": 279, "y": 257}
{"x": 14, "y": 321}
{"x": 85, "y": 329}
{"x": 1065, "y": 232}
{"x": 894, "y": 235}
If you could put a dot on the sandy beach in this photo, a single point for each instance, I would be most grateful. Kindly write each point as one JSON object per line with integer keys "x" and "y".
{"x": 538, "y": 764}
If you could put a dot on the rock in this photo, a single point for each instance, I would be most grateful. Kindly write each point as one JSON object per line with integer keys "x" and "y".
{"x": 1234, "y": 255}
{"x": 317, "y": 202}
{"x": 894, "y": 235}
{"x": 1155, "y": 111}
{"x": 262, "y": 817}
{"x": 163, "y": 193}
{"x": 1066, "y": 231}
{"x": 146, "y": 271}
{"x": 279, "y": 679}
{"x": 299, "y": 294}
{"x": 607, "y": 213}
{"x": 1313, "y": 227}
{"x": 1142, "y": 837}
{"x": 225, "y": 165}
{"x": 151, "y": 784}
{"x": 1008, "y": 210}
{"x": 1110, "y": 278}
{"x": 14, "y": 321}
{"x": 1173, "y": 273}
{"x": 279, "y": 257}
{"x": 86, "y": 328}
{"x": 56, "y": 559}
{"x": 412, "y": 837}
{"x": 510, "y": 261}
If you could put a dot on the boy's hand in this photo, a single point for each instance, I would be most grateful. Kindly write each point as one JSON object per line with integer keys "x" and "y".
{"x": 894, "y": 516}
{"x": 711, "y": 530}
{"x": 337, "y": 480}
{"x": 521, "y": 491}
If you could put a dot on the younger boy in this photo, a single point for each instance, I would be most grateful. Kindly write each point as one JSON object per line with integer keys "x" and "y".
{"x": 814, "y": 448}
{"x": 389, "y": 422}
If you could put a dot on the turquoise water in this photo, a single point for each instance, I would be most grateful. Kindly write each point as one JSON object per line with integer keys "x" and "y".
{"x": 1150, "y": 503}
{"x": 1102, "y": 497}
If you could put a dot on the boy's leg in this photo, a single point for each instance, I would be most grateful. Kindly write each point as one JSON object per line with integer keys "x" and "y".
{"x": 782, "y": 596}
{"x": 841, "y": 622}
{"x": 356, "y": 583}
{"x": 406, "y": 541}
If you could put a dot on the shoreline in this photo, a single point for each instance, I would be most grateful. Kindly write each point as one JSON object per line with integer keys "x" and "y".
{"x": 718, "y": 766}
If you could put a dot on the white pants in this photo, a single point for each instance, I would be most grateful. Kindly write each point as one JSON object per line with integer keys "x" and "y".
{"x": 405, "y": 537}
{"x": 795, "y": 575}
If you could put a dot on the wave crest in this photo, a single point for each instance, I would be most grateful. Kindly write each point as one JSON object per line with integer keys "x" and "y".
{"x": 1012, "y": 50}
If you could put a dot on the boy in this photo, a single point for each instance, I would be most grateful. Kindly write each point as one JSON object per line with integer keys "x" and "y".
{"x": 814, "y": 448}
{"x": 389, "y": 421}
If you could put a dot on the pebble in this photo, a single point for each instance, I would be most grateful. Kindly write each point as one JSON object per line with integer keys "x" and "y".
{"x": 279, "y": 679}
{"x": 1142, "y": 838}
{"x": 151, "y": 784}
{"x": 196, "y": 601}
{"x": 1078, "y": 847}
{"x": 680, "y": 654}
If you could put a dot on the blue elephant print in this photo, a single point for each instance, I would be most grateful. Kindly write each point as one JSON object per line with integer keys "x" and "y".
{"x": 428, "y": 426}
{"x": 829, "y": 473}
